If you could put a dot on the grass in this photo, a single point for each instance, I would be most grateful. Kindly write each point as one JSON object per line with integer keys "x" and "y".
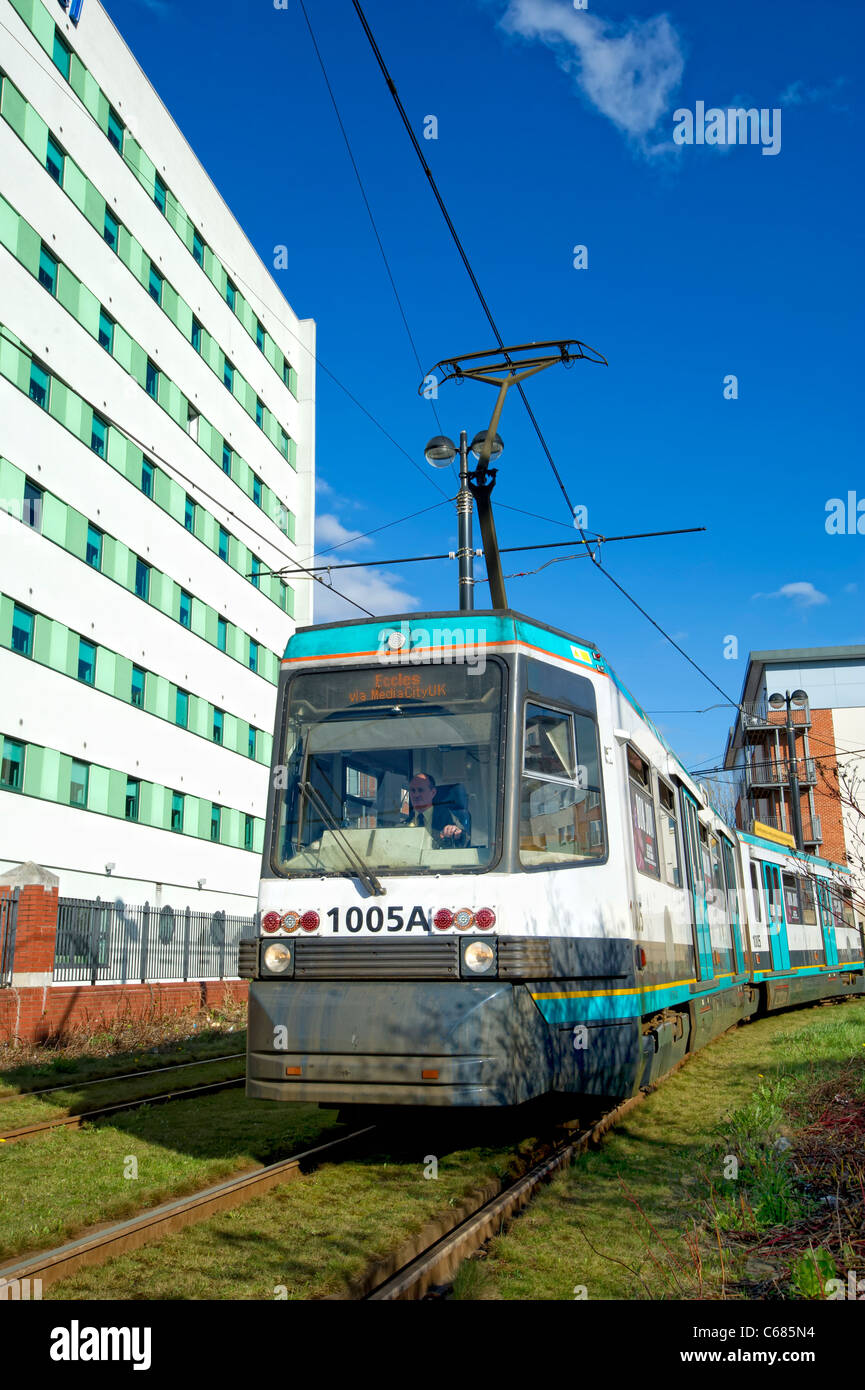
{"x": 305, "y": 1240}
{"x": 54, "y": 1186}
{"x": 651, "y": 1214}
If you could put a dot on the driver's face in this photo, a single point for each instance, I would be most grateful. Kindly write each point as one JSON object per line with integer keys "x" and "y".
{"x": 421, "y": 791}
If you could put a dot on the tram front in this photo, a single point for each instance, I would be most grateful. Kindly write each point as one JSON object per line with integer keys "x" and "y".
{"x": 381, "y": 975}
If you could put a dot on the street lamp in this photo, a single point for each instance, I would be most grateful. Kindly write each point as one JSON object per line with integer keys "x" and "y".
{"x": 440, "y": 453}
{"x": 776, "y": 701}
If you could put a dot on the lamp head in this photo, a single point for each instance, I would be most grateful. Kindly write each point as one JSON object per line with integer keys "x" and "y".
{"x": 496, "y": 448}
{"x": 440, "y": 452}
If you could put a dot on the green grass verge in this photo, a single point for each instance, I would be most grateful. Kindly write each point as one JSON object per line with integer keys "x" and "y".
{"x": 52, "y": 1187}
{"x": 650, "y": 1214}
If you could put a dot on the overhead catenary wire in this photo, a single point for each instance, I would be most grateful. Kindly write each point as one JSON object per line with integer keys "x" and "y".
{"x": 488, "y": 312}
{"x": 73, "y": 97}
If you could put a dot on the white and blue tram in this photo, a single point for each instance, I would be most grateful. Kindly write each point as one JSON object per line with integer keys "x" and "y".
{"x": 587, "y": 920}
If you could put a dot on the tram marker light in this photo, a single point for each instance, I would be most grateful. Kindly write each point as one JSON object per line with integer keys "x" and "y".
{"x": 485, "y": 918}
{"x": 463, "y": 918}
{"x": 310, "y": 921}
{"x": 443, "y": 919}
{"x": 429, "y": 1076}
{"x": 294, "y": 1071}
{"x": 271, "y": 921}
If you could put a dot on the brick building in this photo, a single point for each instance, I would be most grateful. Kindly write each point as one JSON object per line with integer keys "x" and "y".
{"x": 829, "y": 745}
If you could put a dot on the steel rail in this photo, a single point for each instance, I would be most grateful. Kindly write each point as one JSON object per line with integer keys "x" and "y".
{"x": 97, "y": 1246}
{"x": 122, "y": 1076}
{"x": 11, "y": 1136}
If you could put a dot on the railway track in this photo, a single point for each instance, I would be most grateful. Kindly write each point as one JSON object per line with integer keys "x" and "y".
{"x": 11, "y": 1136}
{"x": 73, "y": 1085}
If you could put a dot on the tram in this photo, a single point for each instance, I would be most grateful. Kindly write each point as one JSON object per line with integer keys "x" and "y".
{"x": 487, "y": 878}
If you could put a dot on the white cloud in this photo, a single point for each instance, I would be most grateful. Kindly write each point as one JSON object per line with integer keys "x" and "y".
{"x": 627, "y": 71}
{"x": 850, "y": 589}
{"x": 799, "y": 93}
{"x": 329, "y": 531}
{"x": 382, "y": 593}
{"x": 802, "y": 593}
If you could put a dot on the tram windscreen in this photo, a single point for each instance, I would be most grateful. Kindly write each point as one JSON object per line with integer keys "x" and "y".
{"x": 399, "y": 766}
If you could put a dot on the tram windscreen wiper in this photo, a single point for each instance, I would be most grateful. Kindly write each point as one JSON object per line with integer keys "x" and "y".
{"x": 358, "y": 864}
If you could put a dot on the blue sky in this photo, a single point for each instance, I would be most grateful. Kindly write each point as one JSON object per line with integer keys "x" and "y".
{"x": 555, "y": 130}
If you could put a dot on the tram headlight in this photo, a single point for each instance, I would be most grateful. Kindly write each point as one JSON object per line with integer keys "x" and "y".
{"x": 278, "y": 958}
{"x": 479, "y": 958}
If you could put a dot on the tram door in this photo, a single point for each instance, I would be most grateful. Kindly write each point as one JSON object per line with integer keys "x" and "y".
{"x": 696, "y": 878}
{"x": 827, "y": 919}
{"x": 733, "y": 903}
{"x": 775, "y": 910}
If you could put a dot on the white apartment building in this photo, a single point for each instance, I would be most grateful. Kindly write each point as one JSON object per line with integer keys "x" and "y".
{"x": 157, "y": 399}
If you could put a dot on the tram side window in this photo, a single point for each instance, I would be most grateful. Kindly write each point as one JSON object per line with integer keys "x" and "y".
{"x": 643, "y": 815}
{"x": 791, "y": 900}
{"x": 717, "y": 879}
{"x": 561, "y": 811}
{"x": 809, "y": 902}
{"x": 669, "y": 835}
{"x": 755, "y": 888}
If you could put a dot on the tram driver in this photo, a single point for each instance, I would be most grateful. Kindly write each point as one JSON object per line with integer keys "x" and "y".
{"x": 441, "y": 809}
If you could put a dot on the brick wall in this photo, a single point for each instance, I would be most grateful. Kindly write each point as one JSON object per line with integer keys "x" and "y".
{"x": 822, "y": 748}
{"x": 34, "y": 1015}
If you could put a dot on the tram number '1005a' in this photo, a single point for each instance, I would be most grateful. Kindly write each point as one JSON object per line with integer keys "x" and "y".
{"x": 375, "y": 919}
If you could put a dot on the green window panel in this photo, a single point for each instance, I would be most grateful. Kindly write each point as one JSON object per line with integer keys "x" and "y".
{"x": 246, "y": 315}
{"x": 170, "y": 300}
{"x": 14, "y": 110}
{"x": 292, "y": 453}
{"x": 122, "y": 676}
{"x": 27, "y": 247}
{"x": 150, "y": 805}
{"x": 11, "y": 487}
{"x": 98, "y": 789}
{"x": 76, "y": 533}
{"x": 40, "y": 24}
{"x": 138, "y": 363}
{"x": 6, "y": 607}
{"x": 54, "y": 519}
{"x": 75, "y": 183}
{"x": 36, "y": 776}
{"x": 68, "y": 290}
{"x": 203, "y": 818}
{"x": 160, "y": 697}
{"x": 94, "y": 208}
{"x": 207, "y": 528}
{"x": 212, "y": 353}
{"x": 174, "y": 402}
{"x": 123, "y": 348}
{"x": 200, "y": 716}
{"x": 266, "y": 752}
{"x": 232, "y": 728}
{"x": 164, "y": 593}
{"x": 177, "y": 219}
{"x": 241, "y": 558}
{"x": 200, "y": 616}
{"x": 273, "y": 354}
{"x": 136, "y": 259}
{"x": 231, "y": 827}
{"x": 116, "y": 792}
{"x": 242, "y": 475}
{"x": 163, "y": 487}
{"x": 14, "y": 365}
{"x": 106, "y": 670}
{"x": 88, "y": 311}
{"x": 9, "y": 220}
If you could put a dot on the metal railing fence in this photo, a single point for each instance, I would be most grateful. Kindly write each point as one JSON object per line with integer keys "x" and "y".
{"x": 8, "y": 919}
{"x": 113, "y": 942}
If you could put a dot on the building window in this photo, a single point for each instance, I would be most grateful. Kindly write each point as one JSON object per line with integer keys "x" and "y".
{"x": 228, "y": 375}
{"x": 223, "y": 544}
{"x": 115, "y": 130}
{"x": 250, "y": 747}
{"x": 93, "y": 554}
{"x": 185, "y": 609}
{"x": 255, "y": 576}
{"x": 111, "y": 230}
{"x": 181, "y": 709}
{"x": 136, "y": 696}
{"x": 54, "y": 158}
{"x": 79, "y": 778}
{"x": 147, "y": 477}
{"x": 159, "y": 192}
{"x": 99, "y": 435}
{"x": 218, "y": 725}
{"x": 256, "y": 489}
{"x": 259, "y": 413}
{"x": 39, "y": 385}
{"x": 195, "y": 336}
{"x": 248, "y": 831}
{"x": 48, "y": 270}
{"x": 221, "y": 633}
{"x": 215, "y": 822}
{"x": 86, "y": 661}
{"x": 106, "y": 331}
{"x": 192, "y": 419}
{"x": 283, "y": 443}
{"x": 133, "y": 790}
{"x": 227, "y": 453}
{"x": 253, "y": 655}
{"x": 283, "y": 596}
{"x": 286, "y": 371}
{"x": 189, "y": 514}
{"x": 23, "y": 623}
{"x": 230, "y": 295}
{"x": 154, "y": 285}
{"x": 32, "y": 513}
{"x": 151, "y": 384}
{"x": 197, "y": 247}
{"x": 62, "y": 55}
{"x": 259, "y": 335}
{"x": 12, "y": 772}
{"x": 177, "y": 810}
{"x": 142, "y": 579}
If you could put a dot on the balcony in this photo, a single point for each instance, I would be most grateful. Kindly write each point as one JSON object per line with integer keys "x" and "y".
{"x": 812, "y": 827}
{"x": 758, "y": 718}
{"x": 760, "y": 774}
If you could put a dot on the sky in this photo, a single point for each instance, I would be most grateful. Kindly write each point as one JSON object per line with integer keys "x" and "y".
{"x": 721, "y": 280}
